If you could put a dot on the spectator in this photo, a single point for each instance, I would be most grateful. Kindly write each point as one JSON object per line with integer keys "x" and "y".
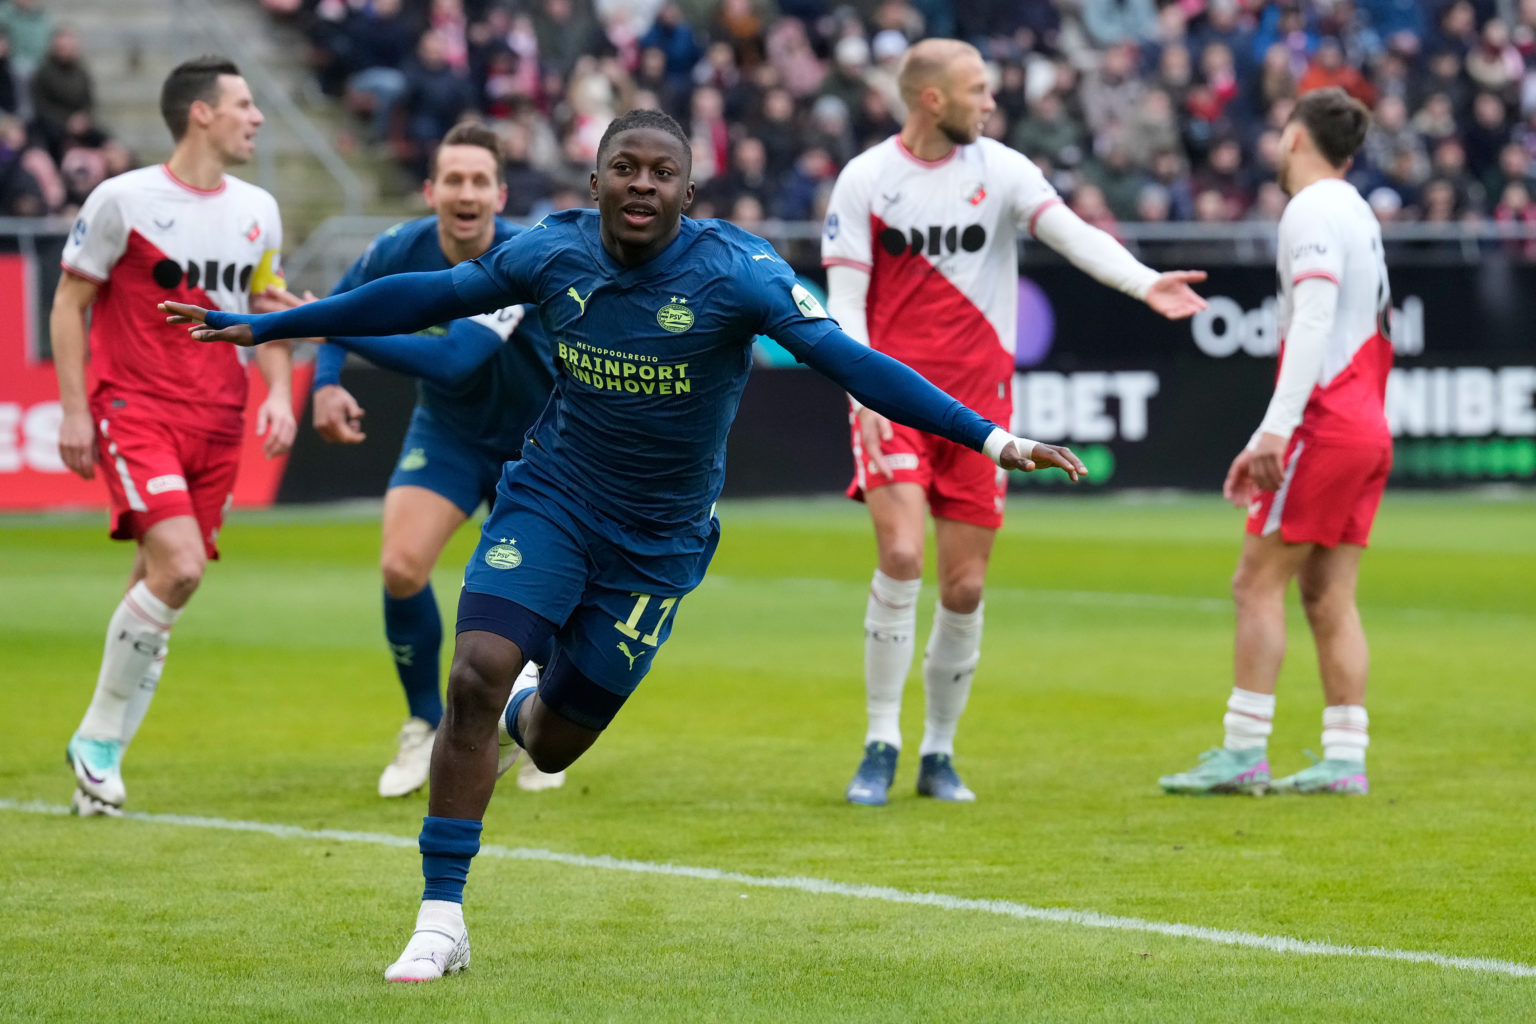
{"x": 1110, "y": 93}
{"x": 850, "y": 62}
{"x": 1049, "y": 134}
{"x": 1515, "y": 207}
{"x": 1268, "y": 204}
{"x": 61, "y": 88}
{"x": 20, "y": 193}
{"x": 1389, "y": 135}
{"x": 1153, "y": 204}
{"x": 1275, "y": 80}
{"x": 10, "y": 95}
{"x": 1386, "y": 204}
{"x": 1171, "y": 172}
{"x": 710, "y": 136}
{"x": 382, "y": 39}
{"x": 30, "y": 29}
{"x": 1494, "y": 64}
{"x": 1329, "y": 68}
{"x": 1514, "y": 165}
{"x": 673, "y": 36}
{"x": 1153, "y": 127}
{"x": 1113, "y": 22}
{"x": 1175, "y": 73}
{"x": 563, "y": 29}
{"x": 1436, "y": 120}
{"x": 1223, "y": 174}
{"x": 1488, "y": 133}
{"x": 435, "y": 97}
{"x": 1116, "y": 180}
{"x": 1088, "y": 203}
{"x": 1455, "y": 29}
{"x": 738, "y": 23}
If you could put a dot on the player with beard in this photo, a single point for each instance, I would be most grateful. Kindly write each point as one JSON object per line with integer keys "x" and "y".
{"x": 920, "y": 246}
{"x": 607, "y": 522}
{"x": 1312, "y": 475}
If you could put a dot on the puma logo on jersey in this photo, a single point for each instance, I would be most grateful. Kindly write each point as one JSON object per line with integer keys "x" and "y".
{"x": 890, "y": 198}
{"x": 631, "y": 655}
{"x": 763, "y": 256}
{"x": 167, "y": 225}
{"x": 571, "y": 291}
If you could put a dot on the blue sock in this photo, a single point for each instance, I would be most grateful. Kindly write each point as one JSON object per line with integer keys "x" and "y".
{"x": 447, "y": 845}
{"x": 414, "y": 630}
{"x": 513, "y": 707}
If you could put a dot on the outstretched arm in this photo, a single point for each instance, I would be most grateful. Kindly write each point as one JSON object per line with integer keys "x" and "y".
{"x": 895, "y": 390}
{"x": 1098, "y": 255}
{"x": 401, "y": 303}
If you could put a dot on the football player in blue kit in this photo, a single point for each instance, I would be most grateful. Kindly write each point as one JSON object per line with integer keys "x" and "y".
{"x": 607, "y": 521}
{"x": 478, "y": 394}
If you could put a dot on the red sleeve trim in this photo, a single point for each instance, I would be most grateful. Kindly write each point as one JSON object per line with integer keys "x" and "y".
{"x": 1327, "y": 275}
{"x": 77, "y": 272}
{"x": 1042, "y": 208}
{"x": 839, "y": 261}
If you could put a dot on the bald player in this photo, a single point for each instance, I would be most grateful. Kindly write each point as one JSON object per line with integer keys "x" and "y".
{"x": 927, "y": 222}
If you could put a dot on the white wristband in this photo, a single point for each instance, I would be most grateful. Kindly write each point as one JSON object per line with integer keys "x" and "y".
{"x": 999, "y": 439}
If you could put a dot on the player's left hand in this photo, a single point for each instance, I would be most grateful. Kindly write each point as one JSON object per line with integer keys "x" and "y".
{"x": 1268, "y": 464}
{"x": 1172, "y": 296}
{"x": 197, "y": 318}
{"x": 1043, "y": 456}
{"x": 275, "y": 422}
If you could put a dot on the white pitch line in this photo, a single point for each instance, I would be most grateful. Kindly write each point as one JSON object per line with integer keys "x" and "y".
{"x": 826, "y": 887}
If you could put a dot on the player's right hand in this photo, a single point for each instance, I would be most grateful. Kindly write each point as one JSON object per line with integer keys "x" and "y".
{"x": 1239, "y": 487}
{"x": 337, "y": 416}
{"x": 873, "y": 430}
{"x": 77, "y": 444}
{"x": 197, "y": 318}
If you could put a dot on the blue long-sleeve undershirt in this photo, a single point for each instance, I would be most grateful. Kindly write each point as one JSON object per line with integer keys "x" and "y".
{"x": 443, "y": 358}
{"x": 412, "y": 302}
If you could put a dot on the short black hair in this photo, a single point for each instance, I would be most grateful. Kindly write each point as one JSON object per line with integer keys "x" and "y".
{"x": 1335, "y": 120}
{"x": 193, "y": 80}
{"x": 646, "y": 119}
{"x": 469, "y": 133}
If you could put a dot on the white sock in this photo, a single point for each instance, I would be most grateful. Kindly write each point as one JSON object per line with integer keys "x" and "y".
{"x": 890, "y": 620}
{"x": 1250, "y": 718}
{"x": 138, "y": 704}
{"x": 527, "y": 679}
{"x": 440, "y": 915}
{"x": 136, "y": 636}
{"x": 949, "y": 665}
{"x": 1346, "y": 733}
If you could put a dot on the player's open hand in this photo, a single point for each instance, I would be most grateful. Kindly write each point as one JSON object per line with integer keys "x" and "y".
{"x": 77, "y": 444}
{"x": 1172, "y": 296}
{"x": 1238, "y": 487}
{"x": 1043, "y": 456}
{"x": 337, "y": 416}
{"x": 197, "y": 318}
{"x": 874, "y": 430}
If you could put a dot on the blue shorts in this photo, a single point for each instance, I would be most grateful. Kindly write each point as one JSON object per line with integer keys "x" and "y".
{"x": 444, "y": 462}
{"x": 608, "y": 592}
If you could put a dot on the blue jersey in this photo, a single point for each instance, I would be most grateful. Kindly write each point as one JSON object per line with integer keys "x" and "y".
{"x": 492, "y": 406}
{"x": 651, "y": 360}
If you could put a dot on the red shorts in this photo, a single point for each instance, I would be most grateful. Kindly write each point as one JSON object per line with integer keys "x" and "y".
{"x": 156, "y": 470}
{"x": 960, "y": 483}
{"x": 1328, "y": 496}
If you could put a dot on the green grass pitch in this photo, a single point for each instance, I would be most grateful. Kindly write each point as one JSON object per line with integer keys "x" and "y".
{"x": 1106, "y": 664}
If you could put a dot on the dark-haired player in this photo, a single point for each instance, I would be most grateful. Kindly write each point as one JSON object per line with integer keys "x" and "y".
{"x": 607, "y": 521}
{"x": 162, "y": 415}
{"x": 478, "y": 395}
{"x": 1312, "y": 476}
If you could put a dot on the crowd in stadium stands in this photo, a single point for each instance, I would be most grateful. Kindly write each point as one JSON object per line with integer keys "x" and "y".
{"x": 1144, "y": 110}
{"x": 52, "y": 151}
{"x": 1149, "y": 110}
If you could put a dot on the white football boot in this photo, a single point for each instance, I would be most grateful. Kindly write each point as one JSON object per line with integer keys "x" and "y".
{"x": 413, "y": 760}
{"x": 530, "y": 778}
{"x": 439, "y": 945}
{"x": 98, "y": 772}
{"x": 506, "y": 747}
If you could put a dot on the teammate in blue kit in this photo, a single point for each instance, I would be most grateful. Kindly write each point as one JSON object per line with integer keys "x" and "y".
{"x": 478, "y": 394}
{"x": 607, "y": 522}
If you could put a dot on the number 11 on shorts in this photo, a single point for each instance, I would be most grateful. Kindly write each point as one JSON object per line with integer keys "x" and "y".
{"x": 631, "y": 627}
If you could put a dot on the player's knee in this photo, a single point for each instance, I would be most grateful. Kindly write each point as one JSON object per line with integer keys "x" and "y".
{"x": 176, "y": 578}
{"x": 474, "y": 691}
{"x": 962, "y": 595}
{"x": 902, "y": 560}
{"x": 1322, "y": 602}
{"x": 1248, "y": 586}
{"x": 404, "y": 574}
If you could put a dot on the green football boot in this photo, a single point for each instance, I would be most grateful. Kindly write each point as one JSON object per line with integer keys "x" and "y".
{"x": 1222, "y": 771}
{"x": 1345, "y": 778}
